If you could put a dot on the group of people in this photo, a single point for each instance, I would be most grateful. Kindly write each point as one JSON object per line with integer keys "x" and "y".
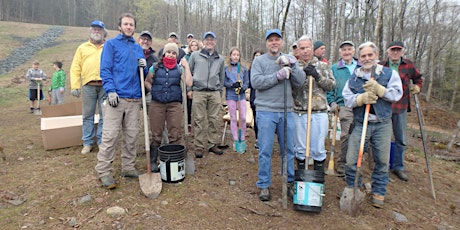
{"x": 107, "y": 73}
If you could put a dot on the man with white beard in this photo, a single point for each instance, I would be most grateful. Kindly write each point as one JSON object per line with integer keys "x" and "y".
{"x": 85, "y": 79}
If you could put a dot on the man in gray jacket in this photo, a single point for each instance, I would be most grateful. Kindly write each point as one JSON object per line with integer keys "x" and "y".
{"x": 208, "y": 70}
{"x": 269, "y": 73}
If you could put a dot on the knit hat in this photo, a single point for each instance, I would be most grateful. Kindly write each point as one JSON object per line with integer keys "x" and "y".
{"x": 318, "y": 44}
{"x": 171, "y": 47}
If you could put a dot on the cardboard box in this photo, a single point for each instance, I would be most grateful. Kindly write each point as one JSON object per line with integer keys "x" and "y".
{"x": 61, "y": 125}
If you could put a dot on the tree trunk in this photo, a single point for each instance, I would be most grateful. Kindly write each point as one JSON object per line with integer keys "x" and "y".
{"x": 379, "y": 29}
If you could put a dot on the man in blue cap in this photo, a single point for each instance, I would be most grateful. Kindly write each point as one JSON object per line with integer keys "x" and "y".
{"x": 84, "y": 77}
{"x": 268, "y": 75}
{"x": 208, "y": 70}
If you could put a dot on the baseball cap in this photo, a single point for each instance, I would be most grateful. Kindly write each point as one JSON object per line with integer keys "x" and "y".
{"x": 273, "y": 31}
{"x": 172, "y": 34}
{"x": 190, "y": 35}
{"x": 346, "y": 43}
{"x": 145, "y": 32}
{"x": 294, "y": 45}
{"x": 396, "y": 44}
{"x": 98, "y": 23}
{"x": 209, "y": 33}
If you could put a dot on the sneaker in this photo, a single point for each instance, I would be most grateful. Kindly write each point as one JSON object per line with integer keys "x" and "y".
{"x": 130, "y": 174}
{"x": 401, "y": 175}
{"x": 377, "y": 200}
{"x": 199, "y": 153}
{"x": 264, "y": 194}
{"x": 256, "y": 145}
{"x": 86, "y": 149}
{"x": 216, "y": 150}
{"x": 31, "y": 110}
{"x": 108, "y": 182}
{"x": 300, "y": 164}
{"x": 319, "y": 165}
{"x": 340, "y": 170}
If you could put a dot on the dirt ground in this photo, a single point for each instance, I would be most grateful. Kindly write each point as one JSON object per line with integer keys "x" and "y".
{"x": 45, "y": 189}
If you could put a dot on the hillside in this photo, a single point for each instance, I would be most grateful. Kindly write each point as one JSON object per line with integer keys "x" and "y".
{"x": 58, "y": 189}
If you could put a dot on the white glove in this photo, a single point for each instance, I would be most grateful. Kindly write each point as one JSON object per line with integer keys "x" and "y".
{"x": 142, "y": 62}
{"x": 285, "y": 61}
{"x": 283, "y": 73}
{"x": 113, "y": 99}
{"x": 75, "y": 92}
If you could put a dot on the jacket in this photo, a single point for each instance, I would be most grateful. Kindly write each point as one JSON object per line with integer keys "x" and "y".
{"x": 326, "y": 83}
{"x": 119, "y": 67}
{"x": 208, "y": 71}
{"x": 231, "y": 76}
{"x": 58, "y": 79}
{"x": 166, "y": 86}
{"x": 85, "y": 65}
{"x": 34, "y": 73}
{"x": 341, "y": 74}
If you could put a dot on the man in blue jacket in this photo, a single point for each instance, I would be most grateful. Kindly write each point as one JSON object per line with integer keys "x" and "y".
{"x": 120, "y": 60}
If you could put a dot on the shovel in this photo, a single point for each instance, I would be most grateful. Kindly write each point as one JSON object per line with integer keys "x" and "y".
{"x": 330, "y": 168}
{"x": 240, "y": 146}
{"x": 149, "y": 182}
{"x": 189, "y": 162}
{"x": 37, "y": 111}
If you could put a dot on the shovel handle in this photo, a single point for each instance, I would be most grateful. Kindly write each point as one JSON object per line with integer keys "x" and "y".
{"x": 146, "y": 125}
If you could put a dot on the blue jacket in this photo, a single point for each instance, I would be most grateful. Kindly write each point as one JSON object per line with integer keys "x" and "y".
{"x": 341, "y": 75}
{"x": 166, "y": 84}
{"x": 231, "y": 76}
{"x": 119, "y": 68}
{"x": 382, "y": 109}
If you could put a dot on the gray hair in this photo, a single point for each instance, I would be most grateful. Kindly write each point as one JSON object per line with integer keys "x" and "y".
{"x": 368, "y": 44}
{"x": 304, "y": 38}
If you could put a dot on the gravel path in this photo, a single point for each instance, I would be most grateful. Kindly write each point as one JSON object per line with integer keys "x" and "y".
{"x": 28, "y": 49}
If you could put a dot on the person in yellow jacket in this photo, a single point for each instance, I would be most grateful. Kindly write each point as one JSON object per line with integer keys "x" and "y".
{"x": 86, "y": 81}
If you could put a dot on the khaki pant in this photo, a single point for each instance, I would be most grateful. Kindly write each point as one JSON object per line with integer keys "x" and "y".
{"x": 125, "y": 118}
{"x": 172, "y": 113}
{"x": 206, "y": 105}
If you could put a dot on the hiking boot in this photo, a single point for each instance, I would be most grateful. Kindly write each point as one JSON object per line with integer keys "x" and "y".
{"x": 86, "y": 149}
{"x": 401, "y": 175}
{"x": 300, "y": 164}
{"x": 108, "y": 182}
{"x": 153, "y": 159}
{"x": 199, "y": 153}
{"x": 340, "y": 170}
{"x": 377, "y": 200}
{"x": 264, "y": 194}
{"x": 130, "y": 174}
{"x": 290, "y": 189}
{"x": 216, "y": 150}
{"x": 318, "y": 165}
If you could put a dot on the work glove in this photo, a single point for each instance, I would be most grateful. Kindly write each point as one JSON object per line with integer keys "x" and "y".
{"x": 238, "y": 90}
{"x": 142, "y": 62}
{"x": 311, "y": 70}
{"x": 285, "y": 60}
{"x": 373, "y": 86}
{"x": 334, "y": 106}
{"x": 75, "y": 92}
{"x": 237, "y": 84}
{"x": 283, "y": 73}
{"x": 366, "y": 98}
{"x": 414, "y": 89}
{"x": 113, "y": 99}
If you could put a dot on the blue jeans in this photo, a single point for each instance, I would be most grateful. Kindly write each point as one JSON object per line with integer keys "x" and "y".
{"x": 268, "y": 123}
{"x": 379, "y": 136}
{"x": 92, "y": 96}
{"x": 399, "y": 131}
{"x": 319, "y": 126}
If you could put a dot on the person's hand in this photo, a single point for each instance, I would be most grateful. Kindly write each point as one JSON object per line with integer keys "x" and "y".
{"x": 311, "y": 70}
{"x": 237, "y": 84}
{"x": 334, "y": 107}
{"x": 366, "y": 98}
{"x": 414, "y": 89}
{"x": 375, "y": 87}
{"x": 142, "y": 62}
{"x": 113, "y": 99}
{"x": 75, "y": 92}
{"x": 285, "y": 61}
{"x": 283, "y": 73}
{"x": 238, "y": 90}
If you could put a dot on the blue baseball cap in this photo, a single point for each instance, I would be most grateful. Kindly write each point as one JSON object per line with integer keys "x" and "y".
{"x": 98, "y": 23}
{"x": 273, "y": 31}
{"x": 209, "y": 33}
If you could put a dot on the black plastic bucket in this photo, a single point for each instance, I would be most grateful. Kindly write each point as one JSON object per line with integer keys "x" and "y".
{"x": 308, "y": 190}
{"x": 172, "y": 163}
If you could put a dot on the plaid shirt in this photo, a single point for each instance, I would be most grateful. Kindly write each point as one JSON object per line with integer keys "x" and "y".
{"x": 407, "y": 71}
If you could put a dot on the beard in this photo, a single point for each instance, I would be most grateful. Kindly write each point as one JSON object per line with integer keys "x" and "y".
{"x": 97, "y": 38}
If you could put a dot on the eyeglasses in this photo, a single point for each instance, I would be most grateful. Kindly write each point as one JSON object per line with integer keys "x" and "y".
{"x": 145, "y": 39}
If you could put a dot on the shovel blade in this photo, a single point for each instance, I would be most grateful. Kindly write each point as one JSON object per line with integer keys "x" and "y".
{"x": 240, "y": 147}
{"x": 351, "y": 200}
{"x": 150, "y": 184}
{"x": 37, "y": 112}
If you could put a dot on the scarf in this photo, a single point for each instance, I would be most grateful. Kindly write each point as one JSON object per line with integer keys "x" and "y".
{"x": 169, "y": 62}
